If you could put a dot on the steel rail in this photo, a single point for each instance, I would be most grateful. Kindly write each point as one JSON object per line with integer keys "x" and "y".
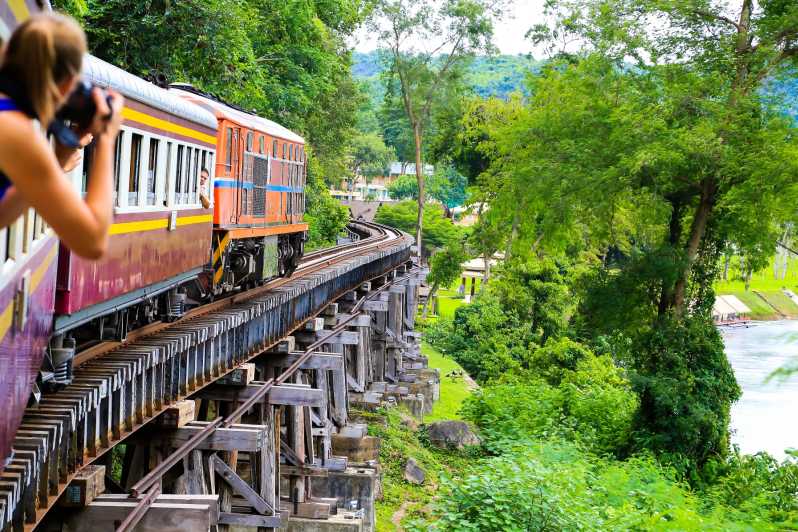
{"x": 152, "y": 479}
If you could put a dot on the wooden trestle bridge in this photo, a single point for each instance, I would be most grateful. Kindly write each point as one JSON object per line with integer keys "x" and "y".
{"x": 235, "y": 417}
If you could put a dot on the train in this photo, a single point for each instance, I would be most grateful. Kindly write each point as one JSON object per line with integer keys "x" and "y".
{"x": 167, "y": 251}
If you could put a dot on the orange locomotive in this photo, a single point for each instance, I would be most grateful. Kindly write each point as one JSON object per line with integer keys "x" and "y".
{"x": 258, "y": 192}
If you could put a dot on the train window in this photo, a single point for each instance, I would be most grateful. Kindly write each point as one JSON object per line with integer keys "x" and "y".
{"x": 187, "y": 172}
{"x": 261, "y": 142}
{"x": 250, "y": 141}
{"x": 284, "y": 150}
{"x": 88, "y": 159}
{"x": 274, "y": 149}
{"x": 229, "y": 148}
{"x": 117, "y": 163}
{"x": 168, "y": 178}
{"x": 179, "y": 180}
{"x": 135, "y": 164}
{"x": 152, "y": 169}
{"x": 195, "y": 177}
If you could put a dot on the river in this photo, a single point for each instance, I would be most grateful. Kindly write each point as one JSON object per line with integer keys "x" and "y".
{"x": 764, "y": 417}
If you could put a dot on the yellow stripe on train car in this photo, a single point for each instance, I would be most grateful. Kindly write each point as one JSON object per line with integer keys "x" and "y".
{"x": 221, "y": 246}
{"x": 19, "y": 9}
{"x": 152, "y": 225}
{"x": 143, "y": 118}
{"x": 7, "y": 316}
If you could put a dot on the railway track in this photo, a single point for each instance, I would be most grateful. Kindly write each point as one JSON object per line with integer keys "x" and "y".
{"x": 118, "y": 388}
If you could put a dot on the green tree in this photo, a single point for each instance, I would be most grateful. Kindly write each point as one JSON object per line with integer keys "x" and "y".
{"x": 448, "y": 186}
{"x": 369, "y": 156}
{"x": 455, "y": 30}
{"x": 446, "y": 265}
{"x": 438, "y": 231}
{"x": 403, "y": 187}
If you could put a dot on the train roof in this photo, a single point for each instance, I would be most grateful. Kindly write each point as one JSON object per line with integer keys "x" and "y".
{"x": 107, "y": 75}
{"x": 223, "y": 110}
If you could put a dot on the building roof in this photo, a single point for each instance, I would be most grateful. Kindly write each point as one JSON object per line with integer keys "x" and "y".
{"x": 410, "y": 169}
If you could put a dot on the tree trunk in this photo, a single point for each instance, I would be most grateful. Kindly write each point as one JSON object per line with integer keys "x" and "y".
{"x": 420, "y": 179}
{"x": 726, "y": 266}
{"x": 674, "y": 235}
{"x": 486, "y": 273}
{"x": 513, "y": 234}
{"x": 430, "y": 297}
{"x": 697, "y": 231}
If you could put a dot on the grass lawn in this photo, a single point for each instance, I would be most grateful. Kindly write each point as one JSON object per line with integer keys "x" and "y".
{"x": 759, "y": 309}
{"x": 780, "y": 300}
{"x": 763, "y": 282}
{"x": 453, "y": 390}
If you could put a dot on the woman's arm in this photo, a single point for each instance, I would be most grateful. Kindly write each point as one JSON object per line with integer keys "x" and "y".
{"x": 11, "y": 207}
{"x": 29, "y": 163}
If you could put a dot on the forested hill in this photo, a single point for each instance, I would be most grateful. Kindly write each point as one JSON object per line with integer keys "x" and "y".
{"x": 488, "y": 76}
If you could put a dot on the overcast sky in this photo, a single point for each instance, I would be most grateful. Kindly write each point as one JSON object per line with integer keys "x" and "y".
{"x": 508, "y": 34}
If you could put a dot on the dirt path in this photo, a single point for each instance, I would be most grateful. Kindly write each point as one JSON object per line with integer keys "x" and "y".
{"x": 398, "y": 515}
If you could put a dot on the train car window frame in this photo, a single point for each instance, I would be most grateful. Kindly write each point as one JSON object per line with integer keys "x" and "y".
{"x": 274, "y": 149}
{"x": 118, "y": 163}
{"x": 133, "y": 187}
{"x": 261, "y": 144}
{"x": 181, "y": 150}
{"x": 228, "y": 156}
{"x": 284, "y": 150}
{"x": 250, "y": 140}
{"x": 169, "y": 175}
{"x": 187, "y": 170}
{"x": 193, "y": 196}
{"x": 86, "y": 162}
{"x": 152, "y": 172}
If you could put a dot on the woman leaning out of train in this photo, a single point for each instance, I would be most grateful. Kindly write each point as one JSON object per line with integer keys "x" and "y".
{"x": 40, "y": 69}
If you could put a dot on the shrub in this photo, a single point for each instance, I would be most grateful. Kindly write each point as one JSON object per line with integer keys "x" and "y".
{"x": 686, "y": 387}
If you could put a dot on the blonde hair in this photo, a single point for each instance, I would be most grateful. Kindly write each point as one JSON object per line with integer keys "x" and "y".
{"x": 44, "y": 51}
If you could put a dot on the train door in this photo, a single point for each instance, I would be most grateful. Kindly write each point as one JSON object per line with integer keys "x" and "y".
{"x": 236, "y": 170}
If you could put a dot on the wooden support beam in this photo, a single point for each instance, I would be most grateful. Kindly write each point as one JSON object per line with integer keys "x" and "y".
{"x": 160, "y": 517}
{"x": 239, "y": 437}
{"x": 250, "y": 520}
{"x": 240, "y": 486}
{"x": 303, "y": 471}
{"x": 284, "y": 394}
{"x": 324, "y": 361}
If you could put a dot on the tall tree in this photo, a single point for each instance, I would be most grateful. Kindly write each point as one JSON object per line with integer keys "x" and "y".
{"x": 719, "y": 153}
{"x": 426, "y": 44}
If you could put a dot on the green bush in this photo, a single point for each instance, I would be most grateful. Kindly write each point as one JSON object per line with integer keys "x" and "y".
{"x": 544, "y": 485}
{"x": 592, "y": 404}
{"x": 686, "y": 387}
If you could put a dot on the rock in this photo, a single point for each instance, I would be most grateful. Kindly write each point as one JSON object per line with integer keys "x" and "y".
{"x": 457, "y": 434}
{"x": 413, "y": 473}
{"x": 408, "y": 422}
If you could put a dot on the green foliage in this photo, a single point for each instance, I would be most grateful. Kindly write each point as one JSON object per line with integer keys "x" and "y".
{"x": 446, "y": 265}
{"x": 535, "y": 291}
{"x": 325, "y": 216}
{"x": 369, "y": 156}
{"x": 403, "y": 187}
{"x": 686, "y": 387}
{"x": 545, "y": 485}
{"x": 438, "y": 230}
{"x": 448, "y": 186}
{"x": 287, "y": 61}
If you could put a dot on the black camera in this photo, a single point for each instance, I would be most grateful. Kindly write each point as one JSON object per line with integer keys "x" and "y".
{"x": 75, "y": 115}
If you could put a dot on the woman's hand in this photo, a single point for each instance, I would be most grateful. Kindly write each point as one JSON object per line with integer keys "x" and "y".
{"x": 69, "y": 158}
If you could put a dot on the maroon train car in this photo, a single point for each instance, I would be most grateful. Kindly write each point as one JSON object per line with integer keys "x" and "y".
{"x": 28, "y": 252}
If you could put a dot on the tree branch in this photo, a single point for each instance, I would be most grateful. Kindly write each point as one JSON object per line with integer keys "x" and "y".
{"x": 718, "y": 18}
